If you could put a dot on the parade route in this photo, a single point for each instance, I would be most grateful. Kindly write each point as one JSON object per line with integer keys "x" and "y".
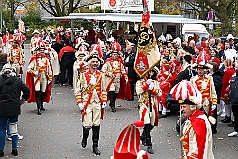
{"x": 57, "y": 133}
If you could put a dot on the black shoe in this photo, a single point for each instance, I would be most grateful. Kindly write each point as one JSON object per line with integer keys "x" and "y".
{"x": 42, "y": 108}
{"x": 1, "y": 153}
{"x": 163, "y": 116}
{"x": 113, "y": 109}
{"x": 214, "y": 131}
{"x": 227, "y": 120}
{"x": 160, "y": 112}
{"x": 150, "y": 150}
{"x": 38, "y": 112}
{"x": 84, "y": 143}
{"x": 232, "y": 124}
{"x": 14, "y": 152}
{"x": 96, "y": 151}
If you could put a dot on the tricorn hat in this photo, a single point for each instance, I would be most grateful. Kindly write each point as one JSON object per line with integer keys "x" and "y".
{"x": 202, "y": 61}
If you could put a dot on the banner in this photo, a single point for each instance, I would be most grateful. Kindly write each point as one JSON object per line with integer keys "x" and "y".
{"x": 148, "y": 54}
{"x": 128, "y": 5}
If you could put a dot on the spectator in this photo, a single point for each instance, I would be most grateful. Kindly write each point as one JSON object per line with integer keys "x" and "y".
{"x": 67, "y": 58}
{"x": 10, "y": 105}
{"x": 217, "y": 75}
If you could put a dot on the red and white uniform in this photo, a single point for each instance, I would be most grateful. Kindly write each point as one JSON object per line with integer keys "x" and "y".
{"x": 206, "y": 86}
{"x": 17, "y": 58}
{"x": 91, "y": 95}
{"x": 197, "y": 137}
{"x": 6, "y": 42}
{"x": 143, "y": 95}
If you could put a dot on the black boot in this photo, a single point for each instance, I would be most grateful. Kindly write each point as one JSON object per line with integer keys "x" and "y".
{"x": 56, "y": 78}
{"x": 142, "y": 138}
{"x": 38, "y": 102}
{"x": 95, "y": 139}
{"x": 42, "y": 96}
{"x": 147, "y": 129}
{"x": 112, "y": 97}
{"x": 85, "y": 137}
{"x": 149, "y": 145}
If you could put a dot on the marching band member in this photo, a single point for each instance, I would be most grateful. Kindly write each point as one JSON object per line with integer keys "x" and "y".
{"x": 91, "y": 98}
{"x": 148, "y": 90}
{"x": 39, "y": 79}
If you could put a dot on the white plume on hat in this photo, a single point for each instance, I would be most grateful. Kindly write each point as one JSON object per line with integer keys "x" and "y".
{"x": 230, "y": 36}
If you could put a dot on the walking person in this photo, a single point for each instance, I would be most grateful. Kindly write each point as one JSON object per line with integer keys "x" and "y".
{"x": 197, "y": 133}
{"x": 91, "y": 98}
{"x": 39, "y": 79}
{"x": 11, "y": 87}
{"x": 148, "y": 90}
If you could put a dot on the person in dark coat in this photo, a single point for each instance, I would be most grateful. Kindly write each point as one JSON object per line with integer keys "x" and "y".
{"x": 67, "y": 58}
{"x": 217, "y": 75}
{"x": 187, "y": 73}
{"x": 129, "y": 64}
{"x": 3, "y": 60}
{"x": 11, "y": 87}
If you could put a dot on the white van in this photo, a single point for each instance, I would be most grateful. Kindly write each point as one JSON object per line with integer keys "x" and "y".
{"x": 190, "y": 29}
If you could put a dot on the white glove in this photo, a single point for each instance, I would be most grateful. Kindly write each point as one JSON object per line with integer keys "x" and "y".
{"x": 126, "y": 81}
{"x": 104, "y": 104}
{"x": 36, "y": 73}
{"x": 213, "y": 107}
{"x": 151, "y": 86}
{"x": 81, "y": 106}
{"x": 93, "y": 80}
{"x": 149, "y": 81}
{"x": 110, "y": 74}
{"x": 48, "y": 82}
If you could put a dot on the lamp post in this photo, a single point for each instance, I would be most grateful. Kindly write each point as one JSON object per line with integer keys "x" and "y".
{"x": 1, "y": 15}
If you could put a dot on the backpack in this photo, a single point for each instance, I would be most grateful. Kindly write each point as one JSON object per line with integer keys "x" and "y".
{"x": 233, "y": 94}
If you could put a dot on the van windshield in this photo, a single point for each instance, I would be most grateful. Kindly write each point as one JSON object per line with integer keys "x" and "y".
{"x": 188, "y": 34}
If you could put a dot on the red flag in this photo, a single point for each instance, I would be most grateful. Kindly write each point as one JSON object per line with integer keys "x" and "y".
{"x": 148, "y": 54}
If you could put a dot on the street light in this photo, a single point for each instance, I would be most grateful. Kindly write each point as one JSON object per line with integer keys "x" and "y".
{"x": 1, "y": 15}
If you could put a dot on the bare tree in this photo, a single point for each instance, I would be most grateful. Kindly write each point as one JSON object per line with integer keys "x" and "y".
{"x": 224, "y": 10}
{"x": 59, "y": 8}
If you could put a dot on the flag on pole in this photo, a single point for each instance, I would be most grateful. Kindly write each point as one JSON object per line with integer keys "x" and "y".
{"x": 21, "y": 26}
{"x": 148, "y": 54}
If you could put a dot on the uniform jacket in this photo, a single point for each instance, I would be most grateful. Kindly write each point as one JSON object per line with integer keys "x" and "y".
{"x": 86, "y": 92}
{"x": 197, "y": 137}
{"x": 17, "y": 56}
{"x": 32, "y": 68}
{"x": 143, "y": 96}
{"x": 206, "y": 86}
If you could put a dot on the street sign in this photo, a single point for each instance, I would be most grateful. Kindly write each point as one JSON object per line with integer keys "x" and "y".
{"x": 20, "y": 10}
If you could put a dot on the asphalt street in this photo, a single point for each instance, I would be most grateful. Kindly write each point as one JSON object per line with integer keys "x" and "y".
{"x": 57, "y": 133}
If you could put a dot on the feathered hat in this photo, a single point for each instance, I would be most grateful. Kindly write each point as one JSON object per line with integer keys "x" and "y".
{"x": 128, "y": 143}
{"x": 186, "y": 93}
{"x": 82, "y": 51}
{"x": 230, "y": 37}
{"x": 97, "y": 48}
{"x": 36, "y": 32}
{"x": 128, "y": 43}
{"x": 202, "y": 61}
{"x": 93, "y": 54}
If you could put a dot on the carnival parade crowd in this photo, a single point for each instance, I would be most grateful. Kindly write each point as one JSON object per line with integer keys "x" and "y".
{"x": 199, "y": 72}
